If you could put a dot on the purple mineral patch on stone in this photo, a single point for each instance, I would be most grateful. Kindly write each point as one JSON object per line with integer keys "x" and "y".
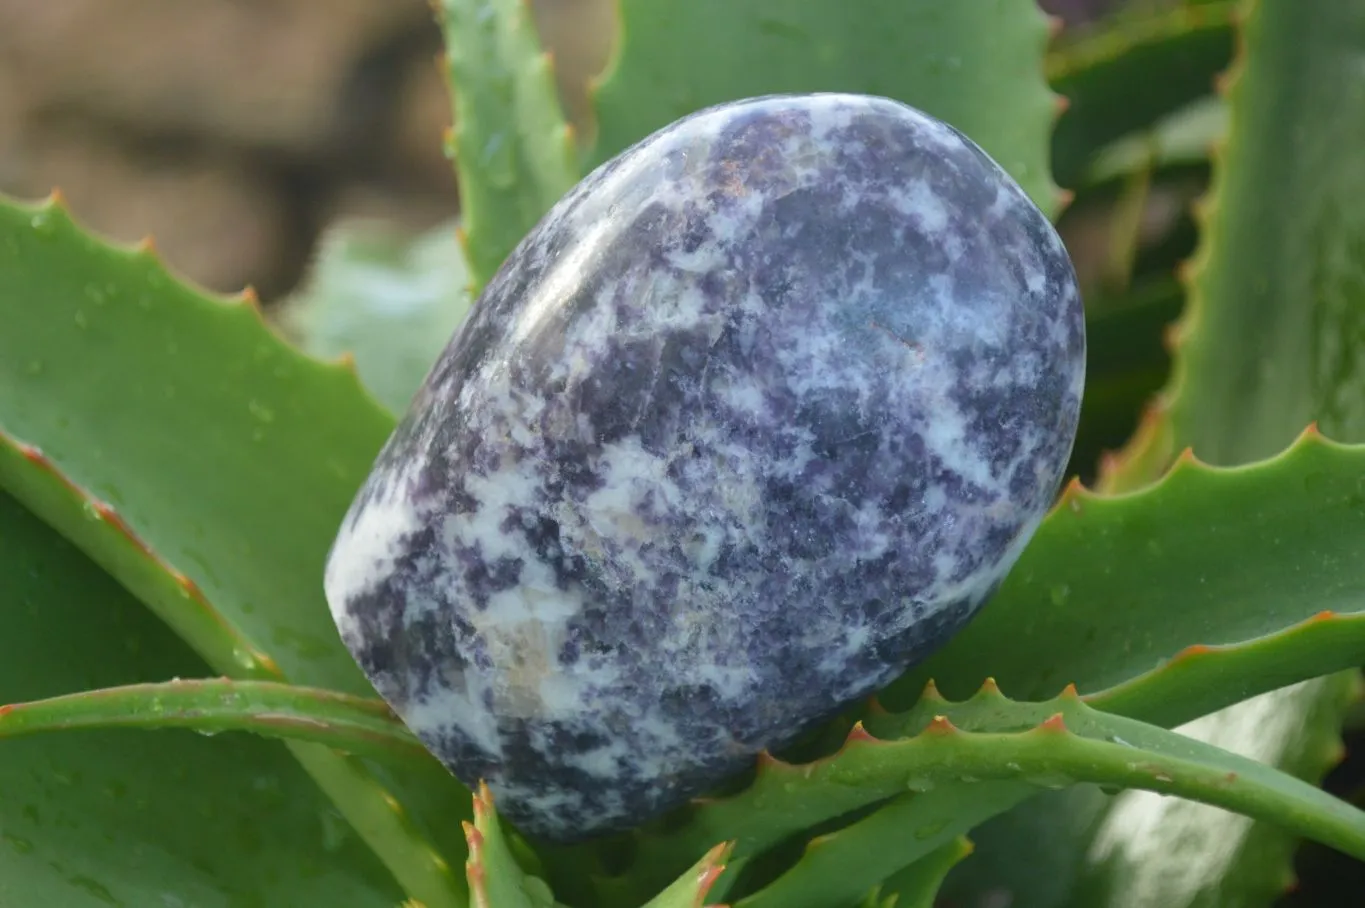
{"x": 755, "y": 419}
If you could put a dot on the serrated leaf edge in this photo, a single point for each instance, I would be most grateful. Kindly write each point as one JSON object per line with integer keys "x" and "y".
{"x": 929, "y": 725}
{"x": 1152, "y": 445}
{"x": 373, "y": 811}
{"x": 341, "y": 721}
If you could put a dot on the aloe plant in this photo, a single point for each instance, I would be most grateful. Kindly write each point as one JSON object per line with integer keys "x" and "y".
{"x": 1143, "y": 714}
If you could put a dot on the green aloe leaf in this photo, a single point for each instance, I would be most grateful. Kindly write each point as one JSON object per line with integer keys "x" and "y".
{"x": 94, "y": 818}
{"x": 206, "y": 465}
{"x": 389, "y": 301}
{"x": 918, "y": 885}
{"x": 940, "y": 768}
{"x": 514, "y": 152}
{"x": 496, "y": 879}
{"x": 1269, "y": 342}
{"x": 691, "y": 890}
{"x": 226, "y": 452}
{"x": 213, "y": 705}
{"x": 1131, "y": 71}
{"x": 1273, "y": 335}
{"x": 1210, "y": 557}
{"x": 1184, "y": 137}
{"x": 1126, "y": 362}
{"x": 978, "y": 66}
{"x": 1082, "y": 848}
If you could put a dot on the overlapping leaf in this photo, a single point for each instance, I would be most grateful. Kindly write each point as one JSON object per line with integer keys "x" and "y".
{"x": 977, "y": 66}
{"x": 1146, "y": 63}
{"x": 1267, "y": 344}
{"x": 940, "y": 768}
{"x": 214, "y": 705}
{"x": 1274, "y": 337}
{"x": 206, "y": 465}
{"x": 389, "y": 302}
{"x": 514, "y": 153}
{"x": 1114, "y": 587}
{"x": 95, "y": 818}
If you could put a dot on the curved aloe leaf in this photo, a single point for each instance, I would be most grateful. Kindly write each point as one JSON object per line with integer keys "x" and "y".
{"x": 692, "y": 888}
{"x": 1186, "y": 136}
{"x": 213, "y": 705}
{"x": 208, "y": 470}
{"x": 1268, "y": 342}
{"x": 1130, "y": 71}
{"x": 1125, "y": 364}
{"x": 495, "y": 878}
{"x": 834, "y": 865}
{"x": 977, "y": 66}
{"x": 229, "y": 454}
{"x": 1082, "y": 849}
{"x": 94, "y": 818}
{"x": 514, "y": 153}
{"x": 389, "y": 302}
{"x": 1209, "y": 556}
{"x": 1220, "y": 856}
{"x": 918, "y": 885}
{"x": 965, "y": 762}
{"x": 1272, "y": 337}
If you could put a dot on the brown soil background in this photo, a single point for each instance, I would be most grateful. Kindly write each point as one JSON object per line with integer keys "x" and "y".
{"x": 235, "y": 131}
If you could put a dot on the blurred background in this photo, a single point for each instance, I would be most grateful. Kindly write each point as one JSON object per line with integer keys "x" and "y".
{"x": 237, "y": 131}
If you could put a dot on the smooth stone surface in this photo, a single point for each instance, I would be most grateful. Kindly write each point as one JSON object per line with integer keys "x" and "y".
{"x": 755, "y": 419}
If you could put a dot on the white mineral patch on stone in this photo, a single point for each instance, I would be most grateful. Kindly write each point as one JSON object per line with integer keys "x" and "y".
{"x": 365, "y": 550}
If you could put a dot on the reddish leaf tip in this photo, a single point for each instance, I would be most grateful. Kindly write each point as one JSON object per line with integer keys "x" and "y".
{"x": 931, "y": 691}
{"x": 1072, "y": 496}
{"x": 941, "y": 725}
{"x": 1187, "y": 458}
{"x": 483, "y": 801}
{"x": 858, "y": 734}
{"x": 1054, "y": 724}
{"x": 1069, "y": 692}
{"x": 6, "y": 710}
{"x": 146, "y": 246}
{"x": 989, "y": 689}
{"x": 713, "y": 865}
{"x": 875, "y": 707}
{"x": 56, "y": 198}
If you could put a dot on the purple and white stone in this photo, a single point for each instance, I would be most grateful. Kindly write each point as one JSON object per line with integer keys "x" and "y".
{"x": 755, "y": 419}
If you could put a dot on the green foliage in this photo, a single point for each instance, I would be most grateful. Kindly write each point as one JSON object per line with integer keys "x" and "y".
{"x": 974, "y": 65}
{"x": 389, "y": 302}
{"x": 208, "y": 478}
{"x": 514, "y": 153}
{"x": 1121, "y": 78}
{"x": 98, "y": 817}
{"x": 1180, "y": 649}
{"x": 1273, "y": 337}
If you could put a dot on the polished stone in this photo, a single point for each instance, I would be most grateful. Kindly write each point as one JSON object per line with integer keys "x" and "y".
{"x": 756, "y": 418}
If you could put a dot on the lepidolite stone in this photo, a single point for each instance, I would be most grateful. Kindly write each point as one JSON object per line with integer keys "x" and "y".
{"x": 755, "y": 419}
